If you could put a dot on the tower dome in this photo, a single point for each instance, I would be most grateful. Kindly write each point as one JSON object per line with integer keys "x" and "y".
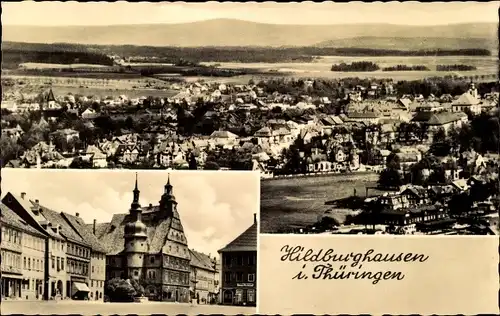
{"x": 135, "y": 228}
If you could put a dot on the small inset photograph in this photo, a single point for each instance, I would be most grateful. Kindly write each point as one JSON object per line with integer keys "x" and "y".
{"x": 426, "y": 196}
{"x": 121, "y": 242}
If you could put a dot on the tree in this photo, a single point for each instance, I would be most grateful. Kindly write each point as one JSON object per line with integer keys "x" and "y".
{"x": 440, "y": 146}
{"x": 129, "y": 123}
{"x": 192, "y": 162}
{"x": 120, "y": 290}
{"x": 211, "y": 165}
{"x": 9, "y": 149}
{"x": 390, "y": 178}
{"x": 460, "y": 204}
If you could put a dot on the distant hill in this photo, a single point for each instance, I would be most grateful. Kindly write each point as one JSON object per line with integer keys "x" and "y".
{"x": 227, "y": 32}
{"x": 415, "y": 43}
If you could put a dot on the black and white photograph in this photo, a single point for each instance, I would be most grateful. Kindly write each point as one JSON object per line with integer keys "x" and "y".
{"x": 124, "y": 242}
{"x": 282, "y": 89}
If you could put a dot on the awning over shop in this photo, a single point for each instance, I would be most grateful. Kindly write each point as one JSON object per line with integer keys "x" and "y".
{"x": 79, "y": 287}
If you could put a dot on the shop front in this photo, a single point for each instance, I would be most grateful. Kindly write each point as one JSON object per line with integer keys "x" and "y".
{"x": 244, "y": 294}
{"x": 11, "y": 285}
{"x": 79, "y": 291}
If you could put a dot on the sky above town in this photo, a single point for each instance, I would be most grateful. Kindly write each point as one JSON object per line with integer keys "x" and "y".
{"x": 215, "y": 207}
{"x": 104, "y": 13}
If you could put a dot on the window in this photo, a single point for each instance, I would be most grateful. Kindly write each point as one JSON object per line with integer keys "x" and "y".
{"x": 251, "y": 260}
{"x": 29, "y": 263}
{"x": 53, "y": 262}
{"x": 251, "y": 277}
{"x": 91, "y": 284}
{"x": 239, "y": 276}
{"x": 152, "y": 260}
{"x": 251, "y": 295}
{"x": 57, "y": 264}
{"x": 25, "y": 266}
{"x": 227, "y": 260}
{"x": 227, "y": 276}
{"x": 62, "y": 264}
{"x": 92, "y": 269}
{"x": 136, "y": 273}
{"x": 239, "y": 260}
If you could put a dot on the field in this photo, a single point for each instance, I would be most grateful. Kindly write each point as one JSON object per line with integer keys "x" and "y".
{"x": 133, "y": 88}
{"x": 320, "y": 67}
{"x": 58, "y": 66}
{"x": 297, "y": 202}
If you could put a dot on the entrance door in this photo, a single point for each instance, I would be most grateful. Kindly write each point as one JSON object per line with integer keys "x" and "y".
{"x": 176, "y": 295}
{"x": 228, "y": 297}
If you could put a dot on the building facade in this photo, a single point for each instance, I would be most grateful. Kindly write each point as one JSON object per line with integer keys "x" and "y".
{"x": 148, "y": 244}
{"x": 204, "y": 278}
{"x": 22, "y": 251}
{"x": 239, "y": 269}
{"x": 58, "y": 253}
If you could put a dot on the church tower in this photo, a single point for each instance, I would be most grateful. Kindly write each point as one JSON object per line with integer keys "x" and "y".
{"x": 168, "y": 204}
{"x": 135, "y": 239}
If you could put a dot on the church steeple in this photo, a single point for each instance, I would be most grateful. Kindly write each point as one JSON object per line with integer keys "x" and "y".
{"x": 135, "y": 227}
{"x": 168, "y": 203}
{"x": 135, "y": 206}
{"x": 168, "y": 187}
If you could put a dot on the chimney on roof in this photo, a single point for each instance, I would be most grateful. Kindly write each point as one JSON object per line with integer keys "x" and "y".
{"x": 150, "y": 206}
{"x": 255, "y": 218}
{"x": 23, "y": 194}
{"x": 95, "y": 223}
{"x": 77, "y": 214}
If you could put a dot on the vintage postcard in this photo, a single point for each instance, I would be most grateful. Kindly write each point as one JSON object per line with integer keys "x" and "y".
{"x": 361, "y": 130}
{"x": 93, "y": 242}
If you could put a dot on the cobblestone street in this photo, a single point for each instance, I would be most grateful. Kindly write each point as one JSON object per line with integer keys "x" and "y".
{"x": 93, "y": 308}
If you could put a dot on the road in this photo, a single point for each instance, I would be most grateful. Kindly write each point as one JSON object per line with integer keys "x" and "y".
{"x": 94, "y": 308}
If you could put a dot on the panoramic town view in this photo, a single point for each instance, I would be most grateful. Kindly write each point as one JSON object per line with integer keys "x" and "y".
{"x": 107, "y": 254}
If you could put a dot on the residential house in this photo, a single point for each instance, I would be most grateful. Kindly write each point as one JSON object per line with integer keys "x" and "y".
{"x": 203, "y": 277}
{"x": 97, "y": 157}
{"x": 440, "y": 120}
{"x": 239, "y": 269}
{"x": 467, "y": 102}
{"x": 97, "y": 266}
{"x": 89, "y": 114}
{"x": 54, "y": 243}
{"x": 416, "y": 195}
{"x": 67, "y": 133}
{"x": 224, "y": 137}
{"x": 23, "y": 257}
{"x": 366, "y": 117}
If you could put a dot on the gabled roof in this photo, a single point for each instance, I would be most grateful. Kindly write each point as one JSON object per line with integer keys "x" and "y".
{"x": 56, "y": 219}
{"x": 9, "y": 217}
{"x": 247, "y": 241}
{"x": 466, "y": 99}
{"x": 223, "y": 134}
{"x": 443, "y": 118}
{"x": 26, "y": 205}
{"x": 201, "y": 260}
{"x": 50, "y": 96}
{"x": 82, "y": 229}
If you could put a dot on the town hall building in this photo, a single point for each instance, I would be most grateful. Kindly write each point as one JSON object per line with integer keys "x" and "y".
{"x": 149, "y": 245}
